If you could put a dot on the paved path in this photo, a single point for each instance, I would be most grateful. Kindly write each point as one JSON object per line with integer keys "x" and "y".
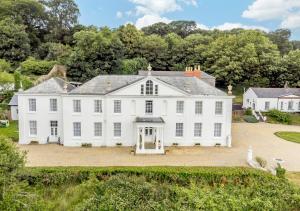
{"x": 259, "y": 136}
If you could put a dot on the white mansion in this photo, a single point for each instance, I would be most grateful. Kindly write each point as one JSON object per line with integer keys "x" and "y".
{"x": 150, "y": 110}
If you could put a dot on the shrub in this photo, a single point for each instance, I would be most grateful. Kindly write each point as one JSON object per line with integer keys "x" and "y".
{"x": 248, "y": 112}
{"x": 4, "y": 66}
{"x": 280, "y": 171}
{"x": 36, "y": 67}
{"x": 250, "y": 119}
{"x": 280, "y": 116}
{"x": 262, "y": 162}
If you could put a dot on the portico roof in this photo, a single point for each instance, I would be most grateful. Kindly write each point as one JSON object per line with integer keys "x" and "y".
{"x": 149, "y": 120}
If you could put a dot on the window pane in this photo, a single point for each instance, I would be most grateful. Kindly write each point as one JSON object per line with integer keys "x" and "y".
{"x": 98, "y": 106}
{"x": 149, "y": 87}
{"x": 149, "y": 107}
{"x": 179, "y": 107}
{"x": 219, "y": 107}
{"x": 117, "y": 129}
{"x": 32, "y": 104}
{"x": 198, "y": 107}
{"x": 117, "y": 106}
{"x": 53, "y": 104}
{"x": 142, "y": 89}
{"x": 32, "y": 127}
{"x": 156, "y": 89}
{"x": 76, "y": 105}
{"x": 197, "y": 129}
{"x": 218, "y": 129}
{"x": 179, "y": 129}
{"x": 53, "y": 123}
{"x": 76, "y": 128}
{"x": 290, "y": 105}
{"x": 98, "y": 129}
{"x": 267, "y": 105}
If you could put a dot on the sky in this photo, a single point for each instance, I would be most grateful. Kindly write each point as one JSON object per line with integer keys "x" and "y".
{"x": 267, "y": 15}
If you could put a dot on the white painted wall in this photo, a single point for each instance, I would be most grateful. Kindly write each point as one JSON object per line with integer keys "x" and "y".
{"x": 14, "y": 113}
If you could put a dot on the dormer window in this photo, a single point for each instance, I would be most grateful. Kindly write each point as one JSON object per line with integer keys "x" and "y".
{"x": 149, "y": 87}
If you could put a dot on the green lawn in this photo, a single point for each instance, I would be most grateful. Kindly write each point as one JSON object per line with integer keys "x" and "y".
{"x": 11, "y": 131}
{"x": 294, "y": 177}
{"x": 289, "y": 136}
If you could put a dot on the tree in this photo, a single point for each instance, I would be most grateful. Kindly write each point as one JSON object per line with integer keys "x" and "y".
{"x": 281, "y": 37}
{"x": 14, "y": 42}
{"x": 160, "y": 28}
{"x": 17, "y": 79}
{"x": 183, "y": 28}
{"x": 36, "y": 67}
{"x": 291, "y": 63}
{"x": 132, "y": 66}
{"x": 4, "y": 65}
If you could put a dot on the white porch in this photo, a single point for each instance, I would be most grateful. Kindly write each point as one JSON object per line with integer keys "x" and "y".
{"x": 150, "y": 135}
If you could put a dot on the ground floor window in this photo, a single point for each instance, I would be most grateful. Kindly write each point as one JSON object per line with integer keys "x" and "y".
{"x": 179, "y": 129}
{"x": 281, "y": 105}
{"x": 76, "y": 129}
{"x": 197, "y": 129}
{"x": 290, "y": 105}
{"x": 218, "y": 129}
{"x": 267, "y": 105}
{"x": 98, "y": 129}
{"x": 53, "y": 126}
{"x": 117, "y": 129}
{"x": 32, "y": 127}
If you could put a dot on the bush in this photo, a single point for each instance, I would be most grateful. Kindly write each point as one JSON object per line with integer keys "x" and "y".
{"x": 250, "y": 119}
{"x": 36, "y": 67}
{"x": 248, "y": 112}
{"x": 280, "y": 171}
{"x": 262, "y": 162}
{"x": 280, "y": 116}
{"x": 4, "y": 66}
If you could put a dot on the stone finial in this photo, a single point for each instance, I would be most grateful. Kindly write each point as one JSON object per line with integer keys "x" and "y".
{"x": 229, "y": 89}
{"x": 65, "y": 87}
{"x": 149, "y": 69}
{"x": 286, "y": 85}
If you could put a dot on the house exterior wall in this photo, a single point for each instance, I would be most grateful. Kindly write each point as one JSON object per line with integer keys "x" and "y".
{"x": 14, "y": 113}
{"x": 250, "y": 100}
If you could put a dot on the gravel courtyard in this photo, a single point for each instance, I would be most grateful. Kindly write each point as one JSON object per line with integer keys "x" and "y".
{"x": 260, "y": 136}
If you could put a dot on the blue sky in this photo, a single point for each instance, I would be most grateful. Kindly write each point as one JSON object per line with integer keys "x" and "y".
{"x": 267, "y": 15}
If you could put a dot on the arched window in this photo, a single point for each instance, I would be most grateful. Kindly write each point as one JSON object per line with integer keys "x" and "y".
{"x": 149, "y": 87}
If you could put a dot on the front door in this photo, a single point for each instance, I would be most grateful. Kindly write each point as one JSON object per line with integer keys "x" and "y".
{"x": 53, "y": 131}
{"x": 149, "y": 134}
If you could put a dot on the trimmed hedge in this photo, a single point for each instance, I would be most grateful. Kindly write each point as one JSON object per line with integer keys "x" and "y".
{"x": 280, "y": 116}
{"x": 250, "y": 119}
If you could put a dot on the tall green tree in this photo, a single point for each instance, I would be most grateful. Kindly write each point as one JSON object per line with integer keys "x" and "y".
{"x": 281, "y": 37}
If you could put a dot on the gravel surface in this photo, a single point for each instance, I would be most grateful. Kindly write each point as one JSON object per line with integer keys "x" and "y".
{"x": 260, "y": 136}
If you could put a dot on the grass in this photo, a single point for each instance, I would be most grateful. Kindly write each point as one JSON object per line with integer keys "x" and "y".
{"x": 294, "y": 177}
{"x": 11, "y": 131}
{"x": 289, "y": 136}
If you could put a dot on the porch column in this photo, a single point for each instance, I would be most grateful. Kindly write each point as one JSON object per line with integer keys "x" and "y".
{"x": 162, "y": 138}
{"x": 143, "y": 138}
{"x": 156, "y": 133}
{"x": 138, "y": 139}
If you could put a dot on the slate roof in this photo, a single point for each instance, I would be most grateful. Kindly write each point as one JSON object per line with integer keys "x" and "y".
{"x": 172, "y": 73}
{"x": 53, "y": 85}
{"x": 149, "y": 120}
{"x": 275, "y": 92}
{"x": 13, "y": 101}
{"x": 105, "y": 84}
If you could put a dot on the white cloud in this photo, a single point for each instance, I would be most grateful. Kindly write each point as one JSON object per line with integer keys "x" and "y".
{"x": 147, "y": 20}
{"x": 146, "y": 7}
{"x": 202, "y": 26}
{"x": 190, "y": 2}
{"x": 287, "y": 11}
{"x": 119, "y": 14}
{"x": 229, "y": 26}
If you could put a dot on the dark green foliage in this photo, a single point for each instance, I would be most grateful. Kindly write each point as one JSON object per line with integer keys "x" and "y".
{"x": 280, "y": 171}
{"x": 131, "y": 66}
{"x": 36, "y": 67}
{"x": 279, "y": 116}
{"x": 250, "y": 119}
{"x": 248, "y": 112}
{"x": 4, "y": 66}
{"x": 17, "y": 79}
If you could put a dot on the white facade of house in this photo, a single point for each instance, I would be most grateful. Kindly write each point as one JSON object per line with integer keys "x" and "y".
{"x": 169, "y": 119}
{"x": 14, "y": 111}
{"x": 286, "y": 102}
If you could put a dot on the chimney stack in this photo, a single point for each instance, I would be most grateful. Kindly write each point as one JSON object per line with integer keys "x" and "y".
{"x": 193, "y": 71}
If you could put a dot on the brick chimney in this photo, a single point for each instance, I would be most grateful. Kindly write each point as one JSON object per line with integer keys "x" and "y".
{"x": 193, "y": 71}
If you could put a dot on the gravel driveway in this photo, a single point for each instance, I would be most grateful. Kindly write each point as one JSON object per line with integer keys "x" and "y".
{"x": 260, "y": 136}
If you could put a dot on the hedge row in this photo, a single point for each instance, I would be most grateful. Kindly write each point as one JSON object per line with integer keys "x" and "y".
{"x": 178, "y": 175}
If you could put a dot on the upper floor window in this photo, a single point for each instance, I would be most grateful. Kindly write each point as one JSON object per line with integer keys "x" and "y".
{"x": 117, "y": 106}
{"x": 217, "y": 129}
{"x": 97, "y": 128}
{"x": 76, "y": 128}
{"x": 179, "y": 107}
{"x": 198, "y": 107}
{"x": 290, "y": 105}
{"x": 179, "y": 129}
{"x": 32, "y": 104}
{"x": 98, "y": 106}
{"x": 197, "y": 129}
{"x": 117, "y": 129}
{"x": 53, "y": 104}
{"x": 219, "y": 107}
{"x": 32, "y": 128}
{"x": 156, "y": 89}
{"x": 149, "y": 107}
{"x": 76, "y": 106}
{"x": 142, "y": 89}
{"x": 149, "y": 87}
{"x": 267, "y": 105}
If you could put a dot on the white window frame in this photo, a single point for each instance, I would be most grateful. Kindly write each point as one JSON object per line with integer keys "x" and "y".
{"x": 290, "y": 105}
{"x": 117, "y": 129}
{"x": 218, "y": 129}
{"x": 32, "y": 128}
{"x": 117, "y": 106}
{"x": 32, "y": 105}
{"x": 53, "y": 104}
{"x": 197, "y": 129}
{"x": 97, "y": 106}
{"x": 179, "y": 106}
{"x": 267, "y": 105}
{"x": 142, "y": 89}
{"x": 281, "y": 105}
{"x": 149, "y": 107}
{"x": 76, "y": 106}
{"x": 98, "y": 129}
{"x": 156, "y": 89}
{"x": 198, "y": 107}
{"x": 76, "y": 129}
{"x": 219, "y": 108}
{"x": 149, "y": 87}
{"x": 179, "y": 129}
